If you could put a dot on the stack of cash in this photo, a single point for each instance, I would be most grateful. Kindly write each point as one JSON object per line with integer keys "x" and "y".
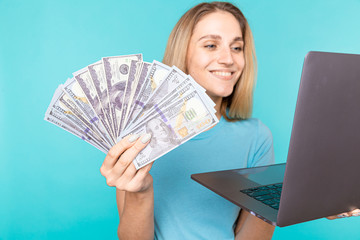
{"x": 123, "y": 95}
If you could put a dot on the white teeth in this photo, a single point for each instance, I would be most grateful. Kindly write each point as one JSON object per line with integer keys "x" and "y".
{"x": 225, "y": 74}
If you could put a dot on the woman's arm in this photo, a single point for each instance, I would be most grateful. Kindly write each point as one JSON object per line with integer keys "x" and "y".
{"x": 136, "y": 212}
{"x": 134, "y": 188}
{"x": 250, "y": 227}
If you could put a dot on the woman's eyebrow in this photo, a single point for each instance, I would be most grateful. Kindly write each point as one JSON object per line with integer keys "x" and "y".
{"x": 238, "y": 39}
{"x": 218, "y": 37}
{"x": 211, "y": 36}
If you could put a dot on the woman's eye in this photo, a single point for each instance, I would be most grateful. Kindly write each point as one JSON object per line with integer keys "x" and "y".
{"x": 238, "y": 49}
{"x": 210, "y": 46}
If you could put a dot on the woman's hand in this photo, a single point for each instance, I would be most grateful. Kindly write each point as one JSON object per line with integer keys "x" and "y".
{"x": 355, "y": 212}
{"x": 134, "y": 195}
{"x": 118, "y": 169}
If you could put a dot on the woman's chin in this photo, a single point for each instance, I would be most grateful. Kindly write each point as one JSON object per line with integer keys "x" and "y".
{"x": 219, "y": 94}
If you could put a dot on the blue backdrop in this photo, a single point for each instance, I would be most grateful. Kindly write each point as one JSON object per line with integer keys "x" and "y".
{"x": 50, "y": 184}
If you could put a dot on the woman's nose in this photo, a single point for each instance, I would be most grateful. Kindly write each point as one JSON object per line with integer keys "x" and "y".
{"x": 225, "y": 56}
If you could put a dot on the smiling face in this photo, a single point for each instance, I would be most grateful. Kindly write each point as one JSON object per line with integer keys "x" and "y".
{"x": 215, "y": 57}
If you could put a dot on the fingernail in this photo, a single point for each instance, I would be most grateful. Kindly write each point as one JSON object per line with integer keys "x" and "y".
{"x": 133, "y": 138}
{"x": 145, "y": 138}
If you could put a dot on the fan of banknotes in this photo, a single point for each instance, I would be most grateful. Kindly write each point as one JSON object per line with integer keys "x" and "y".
{"x": 123, "y": 95}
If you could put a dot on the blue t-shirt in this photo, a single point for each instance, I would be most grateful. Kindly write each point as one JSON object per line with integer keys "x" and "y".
{"x": 184, "y": 209}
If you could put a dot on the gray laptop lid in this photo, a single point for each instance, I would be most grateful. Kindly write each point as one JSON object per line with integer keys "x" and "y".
{"x": 324, "y": 151}
{"x": 322, "y": 170}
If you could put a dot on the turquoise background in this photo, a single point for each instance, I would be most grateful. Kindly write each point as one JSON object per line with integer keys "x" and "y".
{"x": 50, "y": 184}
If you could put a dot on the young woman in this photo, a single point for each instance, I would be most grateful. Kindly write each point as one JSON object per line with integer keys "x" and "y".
{"x": 213, "y": 43}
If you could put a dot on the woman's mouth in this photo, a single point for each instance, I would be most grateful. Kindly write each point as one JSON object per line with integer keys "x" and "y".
{"x": 227, "y": 75}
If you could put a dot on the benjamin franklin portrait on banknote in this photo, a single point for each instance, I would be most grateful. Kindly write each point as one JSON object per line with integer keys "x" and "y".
{"x": 163, "y": 137}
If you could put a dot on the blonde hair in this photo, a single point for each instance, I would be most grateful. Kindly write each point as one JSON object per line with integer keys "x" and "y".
{"x": 239, "y": 103}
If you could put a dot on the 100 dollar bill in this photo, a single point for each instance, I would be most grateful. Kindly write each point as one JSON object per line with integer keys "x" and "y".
{"x": 116, "y": 75}
{"x": 173, "y": 126}
{"x": 156, "y": 75}
{"x": 79, "y": 104}
{"x": 61, "y": 108}
{"x": 135, "y": 90}
{"x": 96, "y": 71}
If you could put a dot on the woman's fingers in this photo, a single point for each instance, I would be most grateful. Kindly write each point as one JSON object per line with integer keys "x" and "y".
{"x": 122, "y": 182}
{"x": 115, "y": 152}
{"x": 142, "y": 180}
{"x": 129, "y": 155}
{"x": 355, "y": 212}
{"x": 118, "y": 168}
{"x": 141, "y": 174}
{"x": 135, "y": 181}
{"x": 331, "y": 217}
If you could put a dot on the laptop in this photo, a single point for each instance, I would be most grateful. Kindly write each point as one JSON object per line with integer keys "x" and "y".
{"x": 321, "y": 176}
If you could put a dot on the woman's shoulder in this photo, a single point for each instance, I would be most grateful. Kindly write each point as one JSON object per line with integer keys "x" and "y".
{"x": 251, "y": 125}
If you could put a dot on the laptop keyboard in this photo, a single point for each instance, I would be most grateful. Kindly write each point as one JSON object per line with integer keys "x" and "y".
{"x": 269, "y": 194}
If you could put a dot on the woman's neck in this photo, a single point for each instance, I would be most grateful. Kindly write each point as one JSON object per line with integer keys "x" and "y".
{"x": 217, "y": 101}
